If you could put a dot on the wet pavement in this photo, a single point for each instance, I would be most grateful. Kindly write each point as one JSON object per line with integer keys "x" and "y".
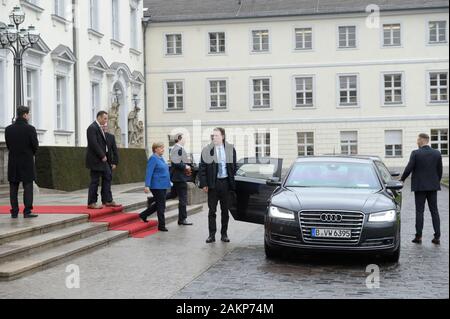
{"x": 179, "y": 264}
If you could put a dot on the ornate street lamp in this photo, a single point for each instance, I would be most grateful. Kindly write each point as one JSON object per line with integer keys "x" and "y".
{"x": 136, "y": 100}
{"x": 117, "y": 94}
{"x": 18, "y": 40}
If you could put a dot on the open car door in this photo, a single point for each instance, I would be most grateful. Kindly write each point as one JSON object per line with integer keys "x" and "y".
{"x": 250, "y": 200}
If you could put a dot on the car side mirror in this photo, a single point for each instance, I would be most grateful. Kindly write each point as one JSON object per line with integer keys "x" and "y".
{"x": 274, "y": 182}
{"x": 395, "y": 174}
{"x": 394, "y": 185}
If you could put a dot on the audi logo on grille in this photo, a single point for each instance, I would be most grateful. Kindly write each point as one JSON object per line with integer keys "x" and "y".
{"x": 331, "y": 218}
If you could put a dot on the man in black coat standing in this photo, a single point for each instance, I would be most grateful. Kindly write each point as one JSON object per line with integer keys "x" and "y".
{"x": 426, "y": 167}
{"x": 180, "y": 174}
{"x": 113, "y": 161}
{"x": 22, "y": 143}
{"x": 217, "y": 173}
{"x": 97, "y": 162}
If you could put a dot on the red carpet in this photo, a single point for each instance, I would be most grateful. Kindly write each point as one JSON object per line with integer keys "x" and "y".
{"x": 115, "y": 217}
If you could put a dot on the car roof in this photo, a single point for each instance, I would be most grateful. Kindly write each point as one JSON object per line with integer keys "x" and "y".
{"x": 338, "y": 158}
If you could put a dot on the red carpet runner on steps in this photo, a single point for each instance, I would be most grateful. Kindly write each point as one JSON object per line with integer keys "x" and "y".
{"x": 115, "y": 217}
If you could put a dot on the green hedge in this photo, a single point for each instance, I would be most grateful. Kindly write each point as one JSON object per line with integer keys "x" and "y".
{"x": 63, "y": 168}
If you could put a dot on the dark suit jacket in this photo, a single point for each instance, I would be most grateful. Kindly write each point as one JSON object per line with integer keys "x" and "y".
{"x": 22, "y": 143}
{"x": 426, "y": 167}
{"x": 179, "y": 160}
{"x": 209, "y": 166}
{"x": 96, "y": 149}
{"x": 113, "y": 153}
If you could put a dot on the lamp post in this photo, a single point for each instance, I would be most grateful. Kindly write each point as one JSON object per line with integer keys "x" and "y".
{"x": 136, "y": 100}
{"x": 117, "y": 95}
{"x": 18, "y": 40}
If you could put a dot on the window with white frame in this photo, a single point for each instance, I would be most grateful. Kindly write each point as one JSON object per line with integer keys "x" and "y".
{"x": 439, "y": 140}
{"x": 95, "y": 99}
{"x": 437, "y": 32}
{"x": 115, "y": 21}
{"x": 61, "y": 103}
{"x": 31, "y": 92}
{"x": 174, "y": 96}
{"x": 393, "y": 143}
{"x": 304, "y": 94}
{"x": 134, "y": 27}
{"x": 347, "y": 37}
{"x": 174, "y": 44}
{"x": 348, "y": 90}
{"x": 393, "y": 88}
{"x": 218, "y": 95}
{"x": 260, "y": 40}
{"x": 438, "y": 87}
{"x": 349, "y": 143}
{"x": 262, "y": 145}
{"x": 261, "y": 93}
{"x": 303, "y": 38}
{"x": 60, "y": 8}
{"x": 392, "y": 35}
{"x": 216, "y": 42}
{"x": 93, "y": 15}
{"x": 305, "y": 141}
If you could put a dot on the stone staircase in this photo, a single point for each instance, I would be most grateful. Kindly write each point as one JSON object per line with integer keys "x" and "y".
{"x": 28, "y": 246}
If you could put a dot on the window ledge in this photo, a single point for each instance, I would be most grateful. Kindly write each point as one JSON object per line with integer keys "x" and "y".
{"x": 60, "y": 19}
{"x": 135, "y": 51}
{"x": 41, "y": 132}
{"x": 32, "y": 6}
{"x": 63, "y": 133}
{"x": 256, "y": 108}
{"x": 117, "y": 43}
{"x": 95, "y": 33}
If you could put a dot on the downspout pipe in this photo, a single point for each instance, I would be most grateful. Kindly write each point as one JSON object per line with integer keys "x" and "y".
{"x": 146, "y": 21}
{"x": 75, "y": 71}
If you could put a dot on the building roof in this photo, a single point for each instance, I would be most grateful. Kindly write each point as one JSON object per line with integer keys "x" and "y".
{"x": 197, "y": 10}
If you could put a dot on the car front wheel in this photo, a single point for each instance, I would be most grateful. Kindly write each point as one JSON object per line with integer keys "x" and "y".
{"x": 271, "y": 252}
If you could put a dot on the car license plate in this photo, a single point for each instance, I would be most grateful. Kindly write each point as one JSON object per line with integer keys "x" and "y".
{"x": 331, "y": 233}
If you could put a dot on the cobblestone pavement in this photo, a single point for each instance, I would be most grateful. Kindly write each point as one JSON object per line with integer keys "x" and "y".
{"x": 423, "y": 271}
{"x": 179, "y": 264}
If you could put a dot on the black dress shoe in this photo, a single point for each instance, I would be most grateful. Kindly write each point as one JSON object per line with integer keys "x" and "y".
{"x": 14, "y": 216}
{"x": 185, "y": 223}
{"x": 144, "y": 219}
{"x": 436, "y": 241}
{"x": 225, "y": 239}
{"x": 163, "y": 229}
{"x": 211, "y": 239}
{"x": 417, "y": 240}
{"x": 30, "y": 215}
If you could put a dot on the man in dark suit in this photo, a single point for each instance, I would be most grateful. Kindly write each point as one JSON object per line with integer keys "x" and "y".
{"x": 22, "y": 143}
{"x": 217, "y": 172}
{"x": 113, "y": 161}
{"x": 181, "y": 172}
{"x": 426, "y": 167}
{"x": 97, "y": 162}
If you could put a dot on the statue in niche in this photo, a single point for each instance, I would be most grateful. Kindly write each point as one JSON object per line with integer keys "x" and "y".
{"x": 140, "y": 140}
{"x": 113, "y": 123}
{"x": 134, "y": 130}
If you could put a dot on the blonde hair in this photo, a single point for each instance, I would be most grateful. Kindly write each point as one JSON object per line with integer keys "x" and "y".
{"x": 156, "y": 146}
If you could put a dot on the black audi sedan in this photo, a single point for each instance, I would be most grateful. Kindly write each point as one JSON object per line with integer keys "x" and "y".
{"x": 324, "y": 204}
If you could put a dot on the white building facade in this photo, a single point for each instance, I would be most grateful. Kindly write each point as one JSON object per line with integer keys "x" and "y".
{"x": 289, "y": 85}
{"x": 90, "y": 55}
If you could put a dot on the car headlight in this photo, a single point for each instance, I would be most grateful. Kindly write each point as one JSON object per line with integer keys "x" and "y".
{"x": 387, "y": 216}
{"x": 277, "y": 212}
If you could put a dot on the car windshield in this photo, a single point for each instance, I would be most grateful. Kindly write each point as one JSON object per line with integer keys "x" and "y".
{"x": 333, "y": 174}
